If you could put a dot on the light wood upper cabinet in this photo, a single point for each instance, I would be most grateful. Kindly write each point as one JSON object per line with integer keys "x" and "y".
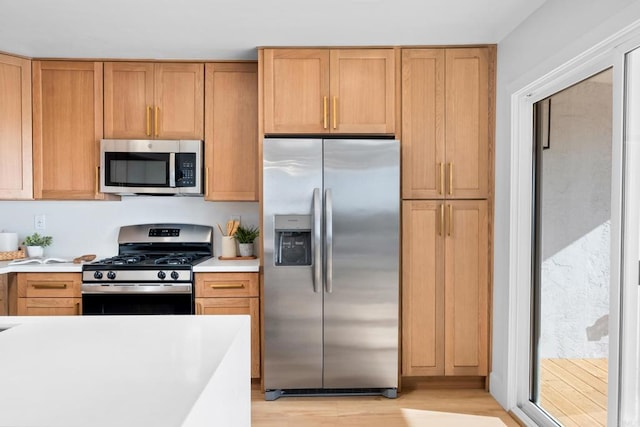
{"x": 445, "y": 123}
{"x": 147, "y": 100}
{"x": 445, "y": 288}
{"x": 15, "y": 128}
{"x": 231, "y": 132}
{"x": 316, "y": 91}
{"x": 67, "y": 128}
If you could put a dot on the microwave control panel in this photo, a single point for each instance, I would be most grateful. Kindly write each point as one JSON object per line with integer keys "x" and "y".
{"x": 186, "y": 169}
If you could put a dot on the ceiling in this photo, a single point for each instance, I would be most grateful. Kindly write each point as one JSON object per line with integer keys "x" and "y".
{"x": 232, "y": 29}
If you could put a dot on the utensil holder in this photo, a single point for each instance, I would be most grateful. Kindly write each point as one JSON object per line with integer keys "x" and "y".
{"x": 228, "y": 246}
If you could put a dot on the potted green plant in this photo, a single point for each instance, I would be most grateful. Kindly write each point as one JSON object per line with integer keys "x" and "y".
{"x": 245, "y": 237}
{"x": 36, "y": 243}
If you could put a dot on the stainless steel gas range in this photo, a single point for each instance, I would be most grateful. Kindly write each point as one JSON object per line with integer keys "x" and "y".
{"x": 152, "y": 273}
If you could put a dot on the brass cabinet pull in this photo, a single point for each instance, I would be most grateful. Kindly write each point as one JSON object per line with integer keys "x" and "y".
{"x": 49, "y": 285}
{"x": 78, "y": 309}
{"x": 148, "y": 120}
{"x": 441, "y": 187}
{"x": 450, "y": 179}
{"x": 441, "y": 227}
{"x": 324, "y": 112}
{"x": 334, "y": 112}
{"x": 226, "y": 285}
{"x": 198, "y": 308}
{"x": 450, "y": 223}
{"x": 155, "y": 121}
{"x": 206, "y": 181}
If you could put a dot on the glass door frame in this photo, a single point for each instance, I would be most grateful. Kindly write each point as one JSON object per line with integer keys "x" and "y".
{"x": 623, "y": 389}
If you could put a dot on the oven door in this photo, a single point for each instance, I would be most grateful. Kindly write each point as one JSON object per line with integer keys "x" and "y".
{"x": 135, "y": 299}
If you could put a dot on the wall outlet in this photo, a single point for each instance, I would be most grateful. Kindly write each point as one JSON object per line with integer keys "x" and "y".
{"x": 39, "y": 222}
{"x": 235, "y": 218}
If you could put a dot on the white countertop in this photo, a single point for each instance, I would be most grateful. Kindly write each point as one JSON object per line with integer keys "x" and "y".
{"x": 212, "y": 265}
{"x": 94, "y": 371}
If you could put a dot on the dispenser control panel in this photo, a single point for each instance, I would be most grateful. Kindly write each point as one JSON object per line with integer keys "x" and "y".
{"x": 293, "y": 240}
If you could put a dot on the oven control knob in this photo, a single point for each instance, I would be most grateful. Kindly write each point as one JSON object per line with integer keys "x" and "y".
{"x": 174, "y": 275}
{"x": 162, "y": 275}
{"x": 97, "y": 275}
{"x": 111, "y": 275}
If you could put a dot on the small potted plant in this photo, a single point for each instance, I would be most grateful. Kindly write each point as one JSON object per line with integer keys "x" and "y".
{"x": 36, "y": 243}
{"x": 245, "y": 237}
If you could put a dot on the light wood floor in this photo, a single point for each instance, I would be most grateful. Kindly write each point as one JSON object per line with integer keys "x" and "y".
{"x": 574, "y": 391}
{"x": 414, "y": 407}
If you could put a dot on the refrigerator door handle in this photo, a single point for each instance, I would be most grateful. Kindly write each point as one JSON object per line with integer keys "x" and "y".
{"x": 328, "y": 240}
{"x": 317, "y": 248}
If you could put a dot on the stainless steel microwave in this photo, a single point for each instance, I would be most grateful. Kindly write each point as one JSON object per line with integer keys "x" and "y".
{"x": 151, "y": 166}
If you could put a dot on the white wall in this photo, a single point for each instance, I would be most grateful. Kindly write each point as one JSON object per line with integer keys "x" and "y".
{"x": 92, "y": 226}
{"x": 550, "y": 37}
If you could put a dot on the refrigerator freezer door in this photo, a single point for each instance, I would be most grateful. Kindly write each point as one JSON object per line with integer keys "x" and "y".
{"x": 292, "y": 310}
{"x": 361, "y": 311}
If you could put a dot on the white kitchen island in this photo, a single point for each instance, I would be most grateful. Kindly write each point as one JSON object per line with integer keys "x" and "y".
{"x": 87, "y": 371}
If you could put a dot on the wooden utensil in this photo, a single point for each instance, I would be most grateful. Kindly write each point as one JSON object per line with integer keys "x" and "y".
{"x": 234, "y": 227}
{"x": 220, "y": 228}
{"x": 84, "y": 258}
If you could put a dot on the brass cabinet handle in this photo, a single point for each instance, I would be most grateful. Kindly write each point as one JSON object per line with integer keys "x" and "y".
{"x": 206, "y": 181}
{"x": 450, "y": 179}
{"x": 148, "y": 120}
{"x": 198, "y": 308}
{"x": 441, "y": 227}
{"x": 78, "y": 309}
{"x": 226, "y": 285}
{"x": 45, "y": 285}
{"x": 324, "y": 112}
{"x": 441, "y": 187}
{"x": 334, "y": 112}
{"x": 155, "y": 121}
{"x": 450, "y": 223}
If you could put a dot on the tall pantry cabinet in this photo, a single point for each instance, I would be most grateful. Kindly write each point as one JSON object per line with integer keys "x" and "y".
{"x": 447, "y": 156}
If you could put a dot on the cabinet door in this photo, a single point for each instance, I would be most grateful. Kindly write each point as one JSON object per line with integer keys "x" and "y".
{"x": 15, "y": 129}
{"x": 231, "y": 132}
{"x": 422, "y": 288}
{"x": 363, "y": 91}
{"x": 179, "y": 101}
{"x": 67, "y": 128}
{"x": 216, "y": 285}
{"x": 467, "y": 122}
{"x": 128, "y": 100}
{"x": 296, "y": 91}
{"x": 466, "y": 287}
{"x": 4, "y": 295}
{"x": 237, "y": 306}
{"x": 423, "y": 123}
{"x": 49, "y": 306}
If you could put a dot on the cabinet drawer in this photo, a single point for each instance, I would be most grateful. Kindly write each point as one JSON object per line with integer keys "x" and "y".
{"x": 49, "y": 306}
{"x": 214, "y": 285}
{"x": 48, "y": 285}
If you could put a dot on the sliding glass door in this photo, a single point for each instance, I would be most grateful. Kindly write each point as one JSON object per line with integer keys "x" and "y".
{"x": 571, "y": 255}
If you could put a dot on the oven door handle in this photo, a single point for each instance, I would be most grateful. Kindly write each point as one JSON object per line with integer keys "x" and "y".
{"x": 125, "y": 289}
{"x": 172, "y": 170}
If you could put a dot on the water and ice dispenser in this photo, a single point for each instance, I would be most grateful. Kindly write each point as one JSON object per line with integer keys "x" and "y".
{"x": 292, "y": 240}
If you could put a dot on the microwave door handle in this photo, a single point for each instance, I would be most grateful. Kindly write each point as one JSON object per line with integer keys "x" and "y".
{"x": 172, "y": 170}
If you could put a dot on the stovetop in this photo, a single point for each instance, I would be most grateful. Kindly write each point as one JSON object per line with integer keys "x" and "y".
{"x": 151, "y": 260}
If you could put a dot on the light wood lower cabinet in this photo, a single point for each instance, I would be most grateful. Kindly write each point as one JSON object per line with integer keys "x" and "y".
{"x": 232, "y": 293}
{"x": 49, "y": 294}
{"x": 4, "y": 295}
{"x": 445, "y": 288}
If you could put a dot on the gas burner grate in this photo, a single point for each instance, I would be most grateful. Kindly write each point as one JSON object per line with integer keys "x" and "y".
{"x": 123, "y": 260}
{"x": 175, "y": 259}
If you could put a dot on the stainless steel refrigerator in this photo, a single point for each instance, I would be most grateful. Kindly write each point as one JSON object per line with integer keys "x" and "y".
{"x": 331, "y": 257}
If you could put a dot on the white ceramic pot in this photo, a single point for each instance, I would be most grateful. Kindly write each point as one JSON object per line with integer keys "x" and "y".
{"x": 35, "y": 251}
{"x": 246, "y": 249}
{"x": 8, "y": 242}
{"x": 228, "y": 247}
